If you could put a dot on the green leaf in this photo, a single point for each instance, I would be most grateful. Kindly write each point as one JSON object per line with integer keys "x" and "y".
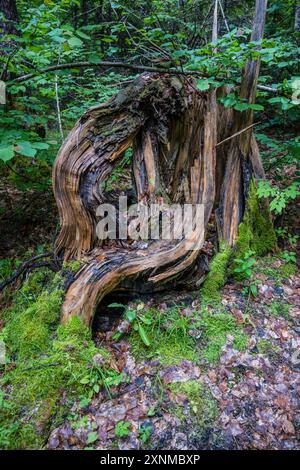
{"x": 82, "y": 35}
{"x": 241, "y": 106}
{"x": 92, "y": 437}
{"x": 253, "y": 290}
{"x": 40, "y": 145}
{"x": 203, "y": 85}
{"x": 94, "y": 58}
{"x": 144, "y": 336}
{"x": 85, "y": 380}
{"x": 145, "y": 320}
{"x": 25, "y": 148}
{"x": 7, "y": 153}
{"x": 115, "y": 305}
{"x": 74, "y": 42}
{"x": 256, "y": 107}
{"x": 130, "y": 315}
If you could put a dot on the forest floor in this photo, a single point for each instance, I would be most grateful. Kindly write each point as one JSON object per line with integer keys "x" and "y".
{"x": 223, "y": 374}
{"x": 243, "y": 397}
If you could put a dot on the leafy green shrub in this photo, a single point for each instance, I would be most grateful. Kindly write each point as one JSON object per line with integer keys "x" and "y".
{"x": 122, "y": 429}
{"x": 279, "y": 197}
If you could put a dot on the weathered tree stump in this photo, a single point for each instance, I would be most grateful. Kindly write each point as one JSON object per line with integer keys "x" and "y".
{"x": 173, "y": 129}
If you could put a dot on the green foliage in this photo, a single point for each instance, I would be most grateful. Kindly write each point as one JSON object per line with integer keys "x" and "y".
{"x": 289, "y": 257}
{"x": 245, "y": 264}
{"x": 216, "y": 276}
{"x": 279, "y": 309}
{"x": 279, "y": 198}
{"x": 168, "y": 336}
{"x": 137, "y": 321}
{"x": 92, "y": 437}
{"x": 273, "y": 267}
{"x": 144, "y": 432}
{"x": 122, "y": 429}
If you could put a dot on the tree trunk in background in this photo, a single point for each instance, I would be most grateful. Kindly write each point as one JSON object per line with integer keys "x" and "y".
{"x": 297, "y": 17}
{"x": 8, "y": 26}
{"x": 242, "y": 162}
{"x": 10, "y": 12}
{"x": 84, "y": 12}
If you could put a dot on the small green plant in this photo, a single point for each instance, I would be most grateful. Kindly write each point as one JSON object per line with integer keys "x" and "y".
{"x": 122, "y": 429}
{"x": 202, "y": 405}
{"x": 92, "y": 437}
{"x": 244, "y": 271}
{"x": 289, "y": 256}
{"x": 137, "y": 321}
{"x": 279, "y": 197}
{"x": 168, "y": 334}
{"x": 145, "y": 432}
{"x": 280, "y": 309}
{"x": 245, "y": 264}
{"x": 292, "y": 239}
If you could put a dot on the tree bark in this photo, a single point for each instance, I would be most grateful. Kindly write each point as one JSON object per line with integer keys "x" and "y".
{"x": 243, "y": 160}
{"x": 10, "y": 12}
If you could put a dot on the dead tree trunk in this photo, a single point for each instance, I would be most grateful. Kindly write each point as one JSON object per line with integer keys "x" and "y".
{"x": 170, "y": 126}
{"x": 173, "y": 129}
{"x": 243, "y": 160}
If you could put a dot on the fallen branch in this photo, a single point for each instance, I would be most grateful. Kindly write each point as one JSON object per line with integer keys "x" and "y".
{"x": 71, "y": 65}
{"x": 135, "y": 67}
{"x": 29, "y": 266}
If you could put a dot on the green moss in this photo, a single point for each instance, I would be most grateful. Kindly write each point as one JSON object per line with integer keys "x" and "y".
{"x": 47, "y": 363}
{"x": 28, "y": 332}
{"x": 6, "y": 268}
{"x": 216, "y": 276}
{"x": 203, "y": 407}
{"x": 168, "y": 334}
{"x": 216, "y": 326}
{"x": 271, "y": 268}
{"x": 266, "y": 347}
{"x": 286, "y": 270}
{"x": 73, "y": 266}
{"x": 279, "y": 309}
{"x": 256, "y": 232}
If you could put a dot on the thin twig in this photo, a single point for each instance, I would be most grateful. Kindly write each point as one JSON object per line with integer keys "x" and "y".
{"x": 224, "y": 17}
{"x": 58, "y": 103}
{"x": 237, "y": 133}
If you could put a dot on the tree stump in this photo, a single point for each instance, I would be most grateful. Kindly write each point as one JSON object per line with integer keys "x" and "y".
{"x": 173, "y": 129}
